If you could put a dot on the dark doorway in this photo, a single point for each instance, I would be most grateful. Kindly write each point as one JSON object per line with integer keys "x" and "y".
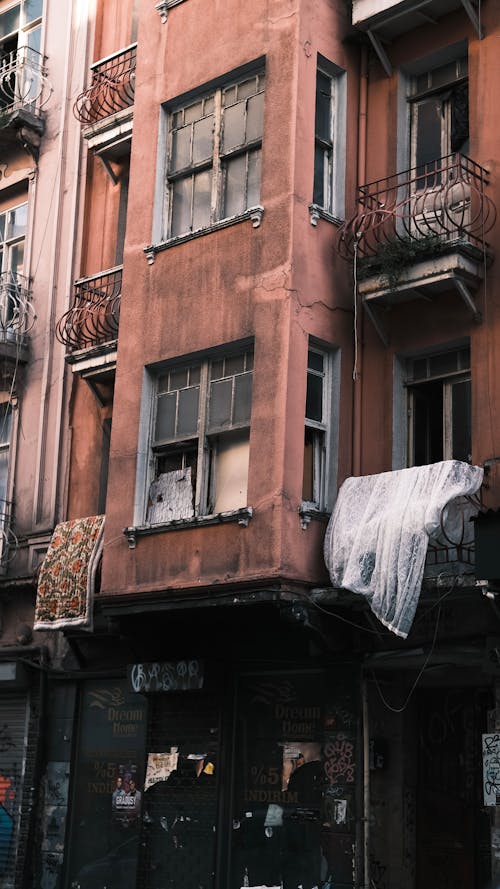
{"x": 452, "y": 827}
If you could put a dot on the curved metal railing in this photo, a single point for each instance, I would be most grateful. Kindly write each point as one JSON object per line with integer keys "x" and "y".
{"x": 442, "y": 201}
{"x": 17, "y": 315}
{"x": 112, "y": 88}
{"x": 93, "y": 317}
{"x": 9, "y": 543}
{"x": 23, "y": 81}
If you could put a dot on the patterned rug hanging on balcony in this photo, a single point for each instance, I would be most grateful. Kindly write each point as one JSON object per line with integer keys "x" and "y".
{"x": 67, "y": 576}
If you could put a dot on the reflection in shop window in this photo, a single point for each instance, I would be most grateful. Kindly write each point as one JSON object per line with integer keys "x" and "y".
{"x": 294, "y": 802}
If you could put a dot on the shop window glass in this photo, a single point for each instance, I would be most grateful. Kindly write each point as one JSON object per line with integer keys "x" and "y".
{"x": 109, "y": 787}
{"x": 294, "y": 806}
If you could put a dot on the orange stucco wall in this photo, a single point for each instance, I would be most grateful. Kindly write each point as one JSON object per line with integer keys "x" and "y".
{"x": 279, "y": 284}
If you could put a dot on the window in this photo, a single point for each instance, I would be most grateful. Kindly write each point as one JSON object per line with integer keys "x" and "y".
{"x": 320, "y": 423}
{"x": 20, "y": 25}
{"x": 12, "y": 236}
{"x": 13, "y": 224}
{"x": 439, "y": 118}
{"x": 214, "y": 156}
{"x": 329, "y": 151}
{"x": 20, "y": 28}
{"x": 439, "y": 407}
{"x": 200, "y": 438}
{"x": 5, "y": 439}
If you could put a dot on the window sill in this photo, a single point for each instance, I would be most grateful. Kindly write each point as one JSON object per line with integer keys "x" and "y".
{"x": 309, "y": 512}
{"x": 255, "y": 214}
{"x": 241, "y": 516}
{"x": 316, "y": 212}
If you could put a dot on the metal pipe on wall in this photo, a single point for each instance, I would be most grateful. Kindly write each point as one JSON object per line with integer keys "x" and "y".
{"x": 361, "y": 178}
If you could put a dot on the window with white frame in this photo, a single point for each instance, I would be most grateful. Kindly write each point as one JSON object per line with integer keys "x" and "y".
{"x": 200, "y": 437}
{"x": 320, "y": 432}
{"x": 329, "y": 148}
{"x": 13, "y": 224}
{"x": 5, "y": 430}
{"x": 439, "y": 407}
{"x": 21, "y": 28}
{"x": 214, "y": 156}
{"x": 20, "y": 25}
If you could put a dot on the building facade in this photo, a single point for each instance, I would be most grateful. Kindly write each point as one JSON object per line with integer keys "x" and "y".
{"x": 273, "y": 297}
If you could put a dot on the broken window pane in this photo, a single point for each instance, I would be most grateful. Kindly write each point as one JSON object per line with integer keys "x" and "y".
{"x": 235, "y": 186}
{"x": 172, "y": 492}
{"x": 230, "y": 471}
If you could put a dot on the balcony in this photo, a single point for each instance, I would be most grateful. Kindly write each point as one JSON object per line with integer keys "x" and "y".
{"x": 92, "y": 319}
{"x": 420, "y": 233}
{"x": 9, "y": 543}
{"x": 105, "y": 108}
{"x": 24, "y": 90}
{"x": 89, "y": 329}
{"x": 16, "y": 318}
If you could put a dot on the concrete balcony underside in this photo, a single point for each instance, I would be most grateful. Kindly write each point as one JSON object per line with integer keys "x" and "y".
{"x": 460, "y": 271}
{"x": 391, "y": 18}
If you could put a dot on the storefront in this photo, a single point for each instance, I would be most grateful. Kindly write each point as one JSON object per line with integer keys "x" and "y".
{"x": 213, "y": 775}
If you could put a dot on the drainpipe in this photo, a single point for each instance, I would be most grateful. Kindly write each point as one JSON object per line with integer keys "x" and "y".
{"x": 366, "y": 786}
{"x": 361, "y": 178}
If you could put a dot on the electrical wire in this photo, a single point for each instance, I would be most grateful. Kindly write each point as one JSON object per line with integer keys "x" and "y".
{"x": 355, "y": 322}
{"x": 344, "y": 620}
{"x": 417, "y": 680}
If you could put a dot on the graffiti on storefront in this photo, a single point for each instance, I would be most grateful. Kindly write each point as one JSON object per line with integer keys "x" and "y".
{"x": 339, "y": 760}
{"x": 491, "y": 768}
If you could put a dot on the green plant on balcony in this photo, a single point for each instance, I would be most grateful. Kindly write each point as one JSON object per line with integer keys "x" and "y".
{"x": 393, "y": 257}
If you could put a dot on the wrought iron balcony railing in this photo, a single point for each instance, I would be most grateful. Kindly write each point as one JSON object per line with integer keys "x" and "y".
{"x": 23, "y": 82}
{"x": 17, "y": 315}
{"x": 9, "y": 543}
{"x": 112, "y": 88}
{"x": 433, "y": 205}
{"x": 92, "y": 319}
